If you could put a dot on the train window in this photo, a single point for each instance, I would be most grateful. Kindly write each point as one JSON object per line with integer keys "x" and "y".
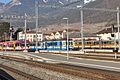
{"x": 60, "y": 43}
{"x": 54, "y": 44}
{"x": 16, "y": 44}
{"x": 96, "y": 42}
{"x": 64, "y": 43}
{"x": 105, "y": 42}
{"x": 11, "y": 45}
{"x": 85, "y": 42}
{"x": 71, "y": 43}
{"x": 4, "y": 45}
{"x": 32, "y": 44}
{"x": 80, "y": 43}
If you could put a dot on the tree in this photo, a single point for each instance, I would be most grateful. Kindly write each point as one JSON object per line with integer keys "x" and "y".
{"x": 4, "y": 28}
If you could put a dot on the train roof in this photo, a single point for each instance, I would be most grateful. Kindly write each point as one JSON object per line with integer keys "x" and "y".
{"x": 58, "y": 39}
{"x": 12, "y": 42}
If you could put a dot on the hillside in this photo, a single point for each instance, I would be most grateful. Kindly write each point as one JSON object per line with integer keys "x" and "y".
{"x": 46, "y": 15}
{"x": 93, "y": 16}
{"x": 101, "y": 16}
{"x": 94, "y": 20}
{"x": 50, "y": 16}
{"x": 1, "y": 7}
{"x": 1, "y": 4}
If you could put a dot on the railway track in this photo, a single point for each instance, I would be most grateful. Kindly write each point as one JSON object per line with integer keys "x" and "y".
{"x": 28, "y": 76}
{"x": 93, "y": 55}
{"x": 92, "y": 74}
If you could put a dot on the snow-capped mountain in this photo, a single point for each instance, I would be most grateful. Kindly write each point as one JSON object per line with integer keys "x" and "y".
{"x": 20, "y": 7}
{"x": 1, "y": 7}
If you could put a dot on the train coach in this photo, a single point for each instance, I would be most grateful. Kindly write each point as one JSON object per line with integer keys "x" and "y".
{"x": 58, "y": 45}
{"x": 17, "y": 45}
{"x": 52, "y": 45}
{"x": 95, "y": 44}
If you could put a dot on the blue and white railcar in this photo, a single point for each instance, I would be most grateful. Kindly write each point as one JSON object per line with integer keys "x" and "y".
{"x": 58, "y": 45}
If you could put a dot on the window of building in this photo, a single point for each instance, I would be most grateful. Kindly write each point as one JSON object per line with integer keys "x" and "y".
{"x": 30, "y": 35}
{"x": 33, "y": 36}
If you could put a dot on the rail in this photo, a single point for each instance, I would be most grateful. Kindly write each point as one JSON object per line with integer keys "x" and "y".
{"x": 31, "y": 77}
{"x": 93, "y": 74}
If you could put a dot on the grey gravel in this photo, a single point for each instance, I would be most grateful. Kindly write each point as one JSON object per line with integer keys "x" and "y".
{"x": 38, "y": 72}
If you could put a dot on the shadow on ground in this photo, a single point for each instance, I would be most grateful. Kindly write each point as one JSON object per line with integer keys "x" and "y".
{"x": 5, "y": 76}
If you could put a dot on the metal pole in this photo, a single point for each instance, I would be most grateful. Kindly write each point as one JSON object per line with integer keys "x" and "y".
{"x": 115, "y": 55}
{"x": 67, "y": 42}
{"x": 36, "y": 12}
{"x": 114, "y": 40}
{"x": 5, "y": 40}
{"x": 82, "y": 29}
{"x": 118, "y": 24}
{"x": 25, "y": 32}
{"x": 10, "y": 31}
{"x": 67, "y": 39}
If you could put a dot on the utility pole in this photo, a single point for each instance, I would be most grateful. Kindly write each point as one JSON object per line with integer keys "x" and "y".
{"x": 10, "y": 31}
{"x": 36, "y": 13}
{"x": 118, "y": 24}
{"x": 82, "y": 24}
{"x": 81, "y": 12}
{"x": 67, "y": 39}
{"x": 25, "y": 33}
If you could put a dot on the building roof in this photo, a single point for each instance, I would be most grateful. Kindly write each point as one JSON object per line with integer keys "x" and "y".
{"x": 60, "y": 32}
{"x": 32, "y": 32}
{"x": 107, "y": 30}
{"x": 54, "y": 32}
{"x": 72, "y": 30}
{"x": 46, "y": 34}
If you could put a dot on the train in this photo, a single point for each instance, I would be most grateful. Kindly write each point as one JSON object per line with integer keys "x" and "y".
{"x": 19, "y": 45}
{"x": 53, "y": 45}
{"x": 95, "y": 44}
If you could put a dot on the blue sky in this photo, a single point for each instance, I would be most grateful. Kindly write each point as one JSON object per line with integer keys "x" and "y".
{"x": 5, "y": 1}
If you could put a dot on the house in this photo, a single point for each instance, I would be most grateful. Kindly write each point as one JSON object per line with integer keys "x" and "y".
{"x": 31, "y": 36}
{"x": 60, "y": 34}
{"x": 106, "y": 34}
{"x": 46, "y": 36}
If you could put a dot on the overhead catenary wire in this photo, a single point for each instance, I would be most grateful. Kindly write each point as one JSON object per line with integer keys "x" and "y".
{"x": 75, "y": 8}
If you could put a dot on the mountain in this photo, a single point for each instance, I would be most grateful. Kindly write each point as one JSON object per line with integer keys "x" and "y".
{"x": 20, "y": 7}
{"x": 1, "y": 4}
{"x": 46, "y": 15}
{"x": 49, "y": 16}
{"x": 102, "y": 16}
{"x": 93, "y": 20}
{"x": 1, "y": 7}
{"x": 93, "y": 16}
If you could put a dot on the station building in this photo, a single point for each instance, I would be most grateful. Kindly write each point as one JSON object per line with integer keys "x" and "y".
{"x": 59, "y": 34}
{"x": 108, "y": 34}
{"x": 31, "y": 36}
